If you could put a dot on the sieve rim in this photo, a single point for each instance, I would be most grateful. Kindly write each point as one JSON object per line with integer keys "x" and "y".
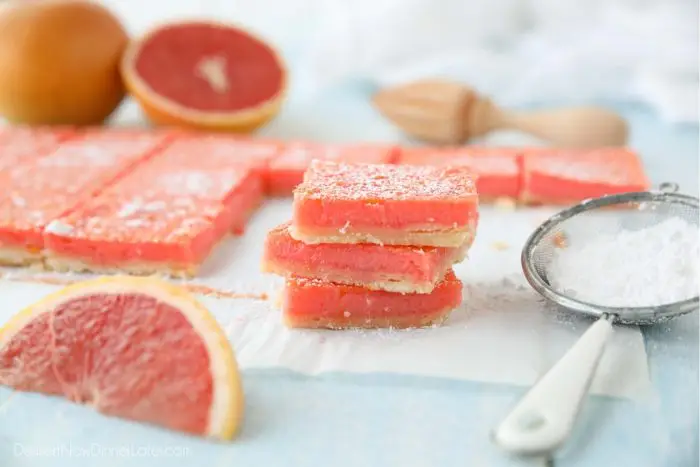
{"x": 643, "y": 314}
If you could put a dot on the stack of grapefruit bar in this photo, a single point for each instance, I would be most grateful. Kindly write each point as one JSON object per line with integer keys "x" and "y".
{"x": 373, "y": 245}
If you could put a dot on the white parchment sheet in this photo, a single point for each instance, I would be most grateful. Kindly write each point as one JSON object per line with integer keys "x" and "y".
{"x": 503, "y": 333}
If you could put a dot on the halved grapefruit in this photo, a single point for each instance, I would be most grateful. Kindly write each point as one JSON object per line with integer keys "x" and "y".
{"x": 205, "y": 75}
{"x": 136, "y": 348}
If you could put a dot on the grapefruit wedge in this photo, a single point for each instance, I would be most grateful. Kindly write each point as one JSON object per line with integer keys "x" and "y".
{"x": 205, "y": 75}
{"x": 135, "y": 348}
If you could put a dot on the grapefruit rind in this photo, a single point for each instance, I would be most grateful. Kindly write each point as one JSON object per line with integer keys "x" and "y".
{"x": 165, "y": 112}
{"x": 226, "y": 411}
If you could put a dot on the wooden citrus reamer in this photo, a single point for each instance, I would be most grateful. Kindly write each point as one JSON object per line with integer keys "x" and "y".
{"x": 443, "y": 112}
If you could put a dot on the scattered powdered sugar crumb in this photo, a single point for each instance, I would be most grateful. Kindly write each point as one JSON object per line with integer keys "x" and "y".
{"x": 492, "y": 163}
{"x": 647, "y": 267}
{"x": 18, "y": 200}
{"x": 500, "y": 246}
{"x": 138, "y": 206}
{"x": 59, "y": 228}
{"x": 199, "y": 183}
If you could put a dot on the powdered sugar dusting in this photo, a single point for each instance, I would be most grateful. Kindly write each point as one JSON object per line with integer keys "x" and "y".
{"x": 497, "y": 163}
{"x": 326, "y": 179}
{"x": 295, "y": 154}
{"x": 301, "y": 154}
{"x": 581, "y": 170}
{"x": 95, "y": 151}
{"x": 212, "y": 151}
{"x": 137, "y": 205}
{"x": 652, "y": 266}
{"x": 135, "y": 219}
{"x": 199, "y": 183}
{"x": 59, "y": 228}
{"x": 79, "y": 155}
{"x": 613, "y": 166}
{"x": 502, "y": 161}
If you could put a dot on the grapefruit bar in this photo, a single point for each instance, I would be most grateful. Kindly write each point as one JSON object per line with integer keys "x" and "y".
{"x": 287, "y": 169}
{"x": 207, "y": 168}
{"x": 137, "y": 234}
{"x": 497, "y": 170}
{"x": 164, "y": 217}
{"x": 567, "y": 176}
{"x": 404, "y": 269}
{"x": 42, "y": 189}
{"x": 225, "y": 150}
{"x": 18, "y": 145}
{"x": 385, "y": 204}
{"x": 313, "y": 303}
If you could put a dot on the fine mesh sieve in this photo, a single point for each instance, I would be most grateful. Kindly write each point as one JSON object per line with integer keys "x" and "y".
{"x": 543, "y": 419}
{"x": 629, "y": 211}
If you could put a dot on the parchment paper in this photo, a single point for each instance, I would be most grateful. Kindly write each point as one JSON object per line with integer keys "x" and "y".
{"x": 503, "y": 333}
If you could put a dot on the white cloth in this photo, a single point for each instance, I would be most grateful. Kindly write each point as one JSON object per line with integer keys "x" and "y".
{"x": 520, "y": 52}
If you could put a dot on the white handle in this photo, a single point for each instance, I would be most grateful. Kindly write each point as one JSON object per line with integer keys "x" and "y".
{"x": 544, "y": 417}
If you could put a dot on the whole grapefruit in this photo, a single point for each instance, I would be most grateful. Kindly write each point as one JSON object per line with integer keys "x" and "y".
{"x": 205, "y": 75}
{"x": 59, "y": 62}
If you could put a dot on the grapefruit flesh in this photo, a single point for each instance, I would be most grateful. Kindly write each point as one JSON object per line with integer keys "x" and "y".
{"x": 205, "y": 75}
{"x": 135, "y": 348}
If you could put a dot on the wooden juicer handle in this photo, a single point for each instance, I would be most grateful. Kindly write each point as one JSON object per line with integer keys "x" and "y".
{"x": 443, "y": 112}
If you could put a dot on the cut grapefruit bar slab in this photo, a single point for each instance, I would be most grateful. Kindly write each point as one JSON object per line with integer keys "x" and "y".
{"x": 164, "y": 217}
{"x": 286, "y": 170}
{"x": 137, "y": 234}
{"x": 223, "y": 150}
{"x": 404, "y": 269}
{"x": 19, "y": 145}
{"x": 42, "y": 189}
{"x": 385, "y": 204}
{"x": 567, "y": 176}
{"x": 207, "y": 168}
{"x": 497, "y": 170}
{"x": 313, "y": 303}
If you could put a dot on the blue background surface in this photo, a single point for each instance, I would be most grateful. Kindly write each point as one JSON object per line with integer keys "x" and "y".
{"x": 388, "y": 420}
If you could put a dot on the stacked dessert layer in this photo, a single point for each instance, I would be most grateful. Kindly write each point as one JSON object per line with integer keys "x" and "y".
{"x": 372, "y": 245}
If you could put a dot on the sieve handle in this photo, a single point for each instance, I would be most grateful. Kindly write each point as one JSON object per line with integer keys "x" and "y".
{"x": 543, "y": 419}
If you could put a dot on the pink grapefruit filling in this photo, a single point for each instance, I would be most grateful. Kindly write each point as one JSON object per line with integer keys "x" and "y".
{"x": 389, "y": 215}
{"x": 248, "y": 196}
{"x": 286, "y": 171}
{"x": 385, "y": 196}
{"x": 47, "y": 187}
{"x": 106, "y": 241}
{"x": 30, "y": 238}
{"x": 497, "y": 170}
{"x": 360, "y": 264}
{"x": 551, "y": 189}
{"x": 557, "y": 175}
{"x": 314, "y": 303}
